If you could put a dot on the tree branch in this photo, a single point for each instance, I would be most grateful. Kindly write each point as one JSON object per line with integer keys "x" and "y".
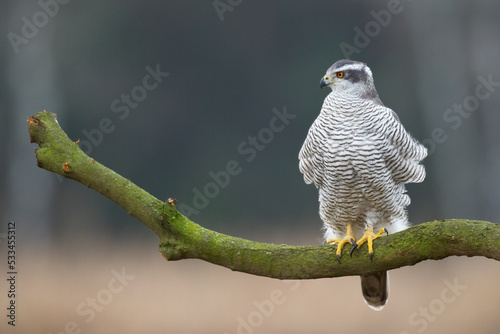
{"x": 181, "y": 238}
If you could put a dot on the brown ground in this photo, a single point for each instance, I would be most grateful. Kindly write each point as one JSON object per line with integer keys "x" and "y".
{"x": 192, "y": 296}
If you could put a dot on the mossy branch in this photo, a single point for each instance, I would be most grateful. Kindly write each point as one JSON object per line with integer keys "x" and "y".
{"x": 181, "y": 238}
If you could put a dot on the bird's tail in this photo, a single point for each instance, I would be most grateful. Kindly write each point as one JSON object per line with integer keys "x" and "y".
{"x": 375, "y": 288}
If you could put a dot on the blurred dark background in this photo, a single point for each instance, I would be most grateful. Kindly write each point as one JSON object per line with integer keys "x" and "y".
{"x": 229, "y": 64}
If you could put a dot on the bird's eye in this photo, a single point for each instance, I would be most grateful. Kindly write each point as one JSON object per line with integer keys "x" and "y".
{"x": 340, "y": 74}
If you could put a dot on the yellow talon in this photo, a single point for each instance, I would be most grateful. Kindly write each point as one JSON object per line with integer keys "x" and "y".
{"x": 369, "y": 236}
{"x": 349, "y": 238}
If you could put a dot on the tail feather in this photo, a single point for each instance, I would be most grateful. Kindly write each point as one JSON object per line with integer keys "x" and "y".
{"x": 375, "y": 289}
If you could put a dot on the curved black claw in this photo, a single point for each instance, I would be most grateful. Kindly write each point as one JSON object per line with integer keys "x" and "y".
{"x": 385, "y": 230}
{"x": 371, "y": 257}
{"x": 338, "y": 258}
{"x": 354, "y": 246}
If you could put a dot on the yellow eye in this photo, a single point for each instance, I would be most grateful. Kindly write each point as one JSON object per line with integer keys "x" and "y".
{"x": 340, "y": 74}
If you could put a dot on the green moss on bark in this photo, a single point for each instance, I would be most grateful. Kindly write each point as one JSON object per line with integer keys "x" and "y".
{"x": 180, "y": 238}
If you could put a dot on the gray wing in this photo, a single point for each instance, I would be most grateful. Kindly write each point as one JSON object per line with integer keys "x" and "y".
{"x": 386, "y": 157}
{"x": 311, "y": 156}
{"x": 403, "y": 153}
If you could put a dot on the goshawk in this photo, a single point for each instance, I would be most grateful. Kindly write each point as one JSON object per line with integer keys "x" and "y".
{"x": 359, "y": 156}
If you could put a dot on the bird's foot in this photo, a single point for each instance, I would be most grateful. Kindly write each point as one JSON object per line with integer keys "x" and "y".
{"x": 349, "y": 238}
{"x": 369, "y": 236}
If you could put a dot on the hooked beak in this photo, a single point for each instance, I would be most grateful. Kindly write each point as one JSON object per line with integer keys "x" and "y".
{"x": 324, "y": 82}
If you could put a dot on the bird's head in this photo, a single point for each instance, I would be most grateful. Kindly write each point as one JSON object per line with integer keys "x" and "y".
{"x": 350, "y": 77}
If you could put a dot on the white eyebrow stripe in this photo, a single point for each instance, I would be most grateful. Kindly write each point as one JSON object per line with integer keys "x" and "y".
{"x": 350, "y": 67}
{"x": 355, "y": 67}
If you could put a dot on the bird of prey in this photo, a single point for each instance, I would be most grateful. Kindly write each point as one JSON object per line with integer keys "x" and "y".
{"x": 359, "y": 156}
